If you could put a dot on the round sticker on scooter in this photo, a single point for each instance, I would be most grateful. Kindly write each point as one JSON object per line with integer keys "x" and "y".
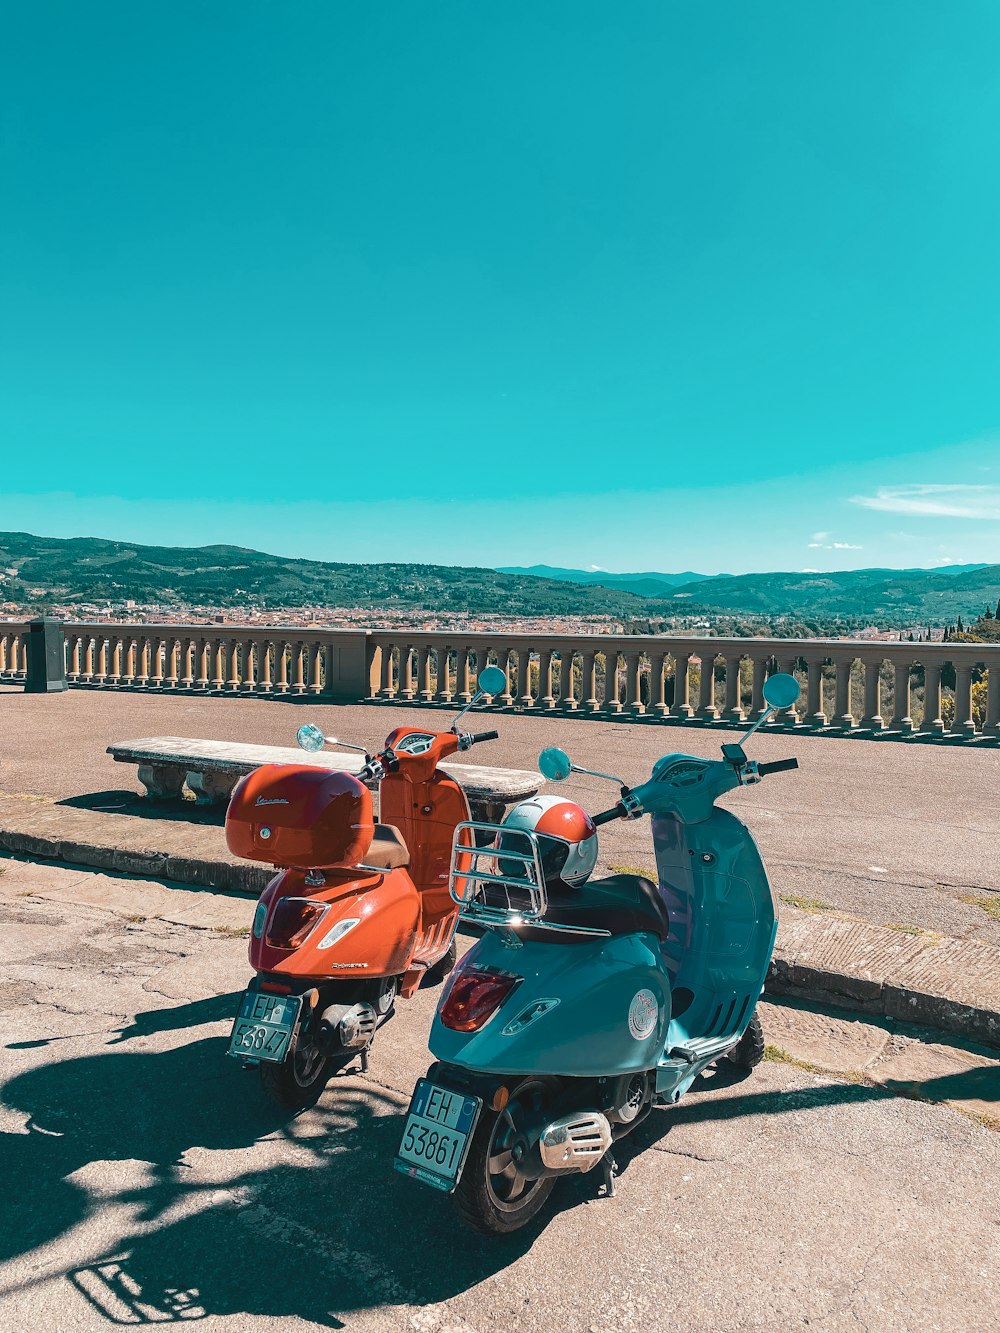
{"x": 642, "y": 1014}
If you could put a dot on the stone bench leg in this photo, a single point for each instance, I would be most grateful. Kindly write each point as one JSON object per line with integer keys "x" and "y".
{"x": 163, "y": 782}
{"x": 211, "y": 788}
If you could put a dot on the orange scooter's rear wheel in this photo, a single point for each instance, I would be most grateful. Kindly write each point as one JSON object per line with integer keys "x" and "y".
{"x": 300, "y": 1079}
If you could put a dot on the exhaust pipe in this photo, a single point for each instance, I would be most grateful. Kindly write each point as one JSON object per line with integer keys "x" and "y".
{"x": 575, "y": 1142}
{"x": 348, "y": 1027}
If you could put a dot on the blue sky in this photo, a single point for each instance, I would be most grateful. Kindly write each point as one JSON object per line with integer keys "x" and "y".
{"x": 655, "y": 286}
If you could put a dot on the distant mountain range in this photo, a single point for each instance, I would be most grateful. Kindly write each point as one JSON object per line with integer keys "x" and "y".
{"x": 645, "y": 585}
{"x": 38, "y": 571}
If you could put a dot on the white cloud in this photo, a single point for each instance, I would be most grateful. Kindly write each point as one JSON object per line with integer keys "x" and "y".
{"x": 834, "y": 546}
{"x": 936, "y": 500}
{"x": 819, "y": 537}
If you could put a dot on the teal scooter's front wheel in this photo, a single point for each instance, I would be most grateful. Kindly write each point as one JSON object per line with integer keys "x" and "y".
{"x": 495, "y": 1195}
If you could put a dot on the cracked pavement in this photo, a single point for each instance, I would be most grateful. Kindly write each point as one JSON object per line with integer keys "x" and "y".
{"x": 148, "y": 1181}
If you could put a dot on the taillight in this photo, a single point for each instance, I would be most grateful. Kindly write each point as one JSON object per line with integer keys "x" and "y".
{"x": 291, "y": 921}
{"x": 474, "y": 998}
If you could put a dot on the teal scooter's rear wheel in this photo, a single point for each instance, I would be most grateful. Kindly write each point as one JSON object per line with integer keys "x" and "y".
{"x": 494, "y": 1195}
{"x": 749, "y": 1050}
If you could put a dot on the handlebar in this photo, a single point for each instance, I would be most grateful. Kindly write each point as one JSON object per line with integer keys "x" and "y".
{"x": 779, "y": 766}
{"x": 483, "y": 736}
{"x": 606, "y": 816}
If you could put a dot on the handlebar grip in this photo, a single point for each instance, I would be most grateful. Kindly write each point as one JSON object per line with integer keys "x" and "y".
{"x": 778, "y": 766}
{"x": 606, "y": 816}
{"x": 484, "y": 736}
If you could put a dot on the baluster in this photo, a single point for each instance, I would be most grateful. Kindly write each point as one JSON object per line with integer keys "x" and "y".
{"x": 757, "y": 705}
{"x": 588, "y": 684}
{"x": 611, "y": 701}
{"x": 658, "y": 684}
{"x": 117, "y": 654}
{"x": 444, "y": 694}
{"x": 130, "y": 661}
{"x": 406, "y": 672}
{"x": 933, "y": 723}
{"x": 102, "y": 661}
{"x": 682, "y": 687}
{"x": 232, "y": 659}
{"x": 963, "y": 724}
{"x": 88, "y": 658}
{"x": 204, "y": 661}
{"x": 706, "y": 695}
{"x": 815, "y": 716}
{"x": 463, "y": 675}
{"x": 633, "y": 684}
{"x": 386, "y": 688}
{"x": 140, "y": 672}
{"x": 426, "y": 693}
{"x": 567, "y": 685}
{"x": 734, "y": 708}
{"x": 186, "y": 681}
{"x": 524, "y": 698}
{"x": 788, "y": 717}
{"x": 545, "y": 697}
{"x": 992, "y": 724}
{"x": 504, "y": 699}
{"x": 317, "y": 676}
{"x": 157, "y": 652}
{"x": 281, "y": 662}
{"x": 842, "y": 715}
{"x": 73, "y": 674}
{"x": 901, "y": 720}
{"x": 5, "y": 639}
{"x": 872, "y": 719}
{"x": 265, "y": 683}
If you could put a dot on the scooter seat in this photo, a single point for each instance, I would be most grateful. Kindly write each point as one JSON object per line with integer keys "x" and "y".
{"x": 388, "y": 850}
{"x": 621, "y": 904}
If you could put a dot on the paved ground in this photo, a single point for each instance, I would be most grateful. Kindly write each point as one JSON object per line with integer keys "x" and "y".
{"x": 897, "y": 833}
{"x": 148, "y": 1182}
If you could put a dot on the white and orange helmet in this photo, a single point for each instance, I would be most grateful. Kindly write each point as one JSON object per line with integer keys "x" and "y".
{"x": 567, "y": 837}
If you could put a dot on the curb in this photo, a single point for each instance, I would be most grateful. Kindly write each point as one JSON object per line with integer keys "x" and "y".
{"x": 930, "y": 980}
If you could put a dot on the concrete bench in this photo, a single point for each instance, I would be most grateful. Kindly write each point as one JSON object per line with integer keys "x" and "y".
{"x": 211, "y": 769}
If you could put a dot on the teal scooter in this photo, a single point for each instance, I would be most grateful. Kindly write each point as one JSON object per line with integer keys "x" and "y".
{"x": 580, "y": 1010}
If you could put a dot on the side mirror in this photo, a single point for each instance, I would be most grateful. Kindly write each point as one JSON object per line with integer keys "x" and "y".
{"x": 554, "y": 764}
{"x": 492, "y": 680}
{"x": 311, "y": 738}
{"x": 781, "y": 690}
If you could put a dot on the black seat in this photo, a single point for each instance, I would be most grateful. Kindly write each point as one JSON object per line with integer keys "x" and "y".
{"x": 621, "y": 904}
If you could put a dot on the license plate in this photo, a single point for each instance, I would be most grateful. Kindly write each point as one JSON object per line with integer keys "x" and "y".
{"x": 437, "y": 1134}
{"x": 264, "y": 1026}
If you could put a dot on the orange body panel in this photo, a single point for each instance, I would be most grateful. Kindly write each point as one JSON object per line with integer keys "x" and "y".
{"x": 404, "y": 916}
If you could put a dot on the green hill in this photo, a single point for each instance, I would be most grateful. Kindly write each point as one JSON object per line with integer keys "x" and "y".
{"x": 34, "y": 570}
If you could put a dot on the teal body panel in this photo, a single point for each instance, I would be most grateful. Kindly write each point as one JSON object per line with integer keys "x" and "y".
{"x": 723, "y": 923}
{"x": 587, "y": 1034}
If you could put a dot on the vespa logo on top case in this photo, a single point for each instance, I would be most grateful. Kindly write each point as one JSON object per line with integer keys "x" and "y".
{"x": 642, "y": 1014}
{"x": 271, "y": 800}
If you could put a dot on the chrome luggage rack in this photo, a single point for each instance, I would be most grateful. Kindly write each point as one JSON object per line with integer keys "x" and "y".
{"x": 502, "y": 888}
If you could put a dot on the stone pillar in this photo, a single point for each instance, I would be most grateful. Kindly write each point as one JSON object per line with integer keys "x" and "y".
{"x": 117, "y": 654}
{"x": 174, "y": 670}
{"x": 545, "y": 698}
{"x": 298, "y": 668}
{"x": 611, "y": 704}
{"x": 317, "y": 677}
{"x": 524, "y": 698}
{"x": 386, "y": 688}
{"x": 633, "y": 684}
{"x": 131, "y": 653}
{"x": 101, "y": 674}
{"x": 682, "y": 687}
{"x": 567, "y": 693}
{"x": 963, "y": 724}
{"x": 815, "y": 716}
{"x": 251, "y": 668}
{"x": 872, "y": 719}
{"x": 933, "y": 724}
{"x": 992, "y": 725}
{"x": 734, "y": 708}
{"x": 73, "y": 674}
{"x": 658, "y": 684}
{"x": 901, "y": 720}
{"x": 706, "y": 695}
{"x": 426, "y": 693}
{"x": 843, "y": 717}
{"x": 444, "y": 694}
{"x": 233, "y": 657}
{"x": 588, "y": 682}
{"x": 140, "y": 676}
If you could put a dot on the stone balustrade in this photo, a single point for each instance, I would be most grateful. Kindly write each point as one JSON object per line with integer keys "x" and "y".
{"x": 847, "y": 684}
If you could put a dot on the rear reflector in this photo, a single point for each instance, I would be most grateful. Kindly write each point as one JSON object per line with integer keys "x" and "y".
{"x": 291, "y": 921}
{"x": 474, "y": 998}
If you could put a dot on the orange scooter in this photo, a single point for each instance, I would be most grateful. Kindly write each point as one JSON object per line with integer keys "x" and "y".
{"x": 359, "y": 913}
